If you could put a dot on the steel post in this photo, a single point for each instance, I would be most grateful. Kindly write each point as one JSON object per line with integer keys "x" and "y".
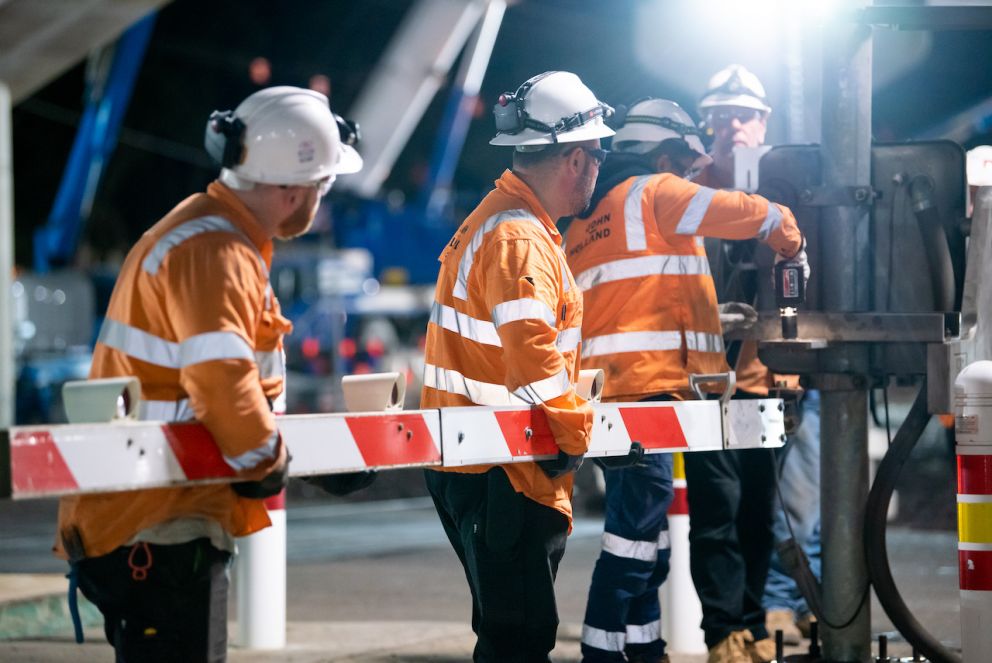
{"x": 846, "y": 274}
{"x": 844, "y": 490}
{"x": 7, "y": 360}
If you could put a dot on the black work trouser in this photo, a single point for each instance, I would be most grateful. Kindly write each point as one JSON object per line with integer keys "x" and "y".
{"x": 178, "y": 612}
{"x": 730, "y": 537}
{"x": 510, "y": 547}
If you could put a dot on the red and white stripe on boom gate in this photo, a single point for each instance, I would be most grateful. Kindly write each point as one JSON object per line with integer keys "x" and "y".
{"x": 42, "y": 461}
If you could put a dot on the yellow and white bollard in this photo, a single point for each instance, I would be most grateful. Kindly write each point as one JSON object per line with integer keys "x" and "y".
{"x": 973, "y": 433}
{"x": 681, "y": 612}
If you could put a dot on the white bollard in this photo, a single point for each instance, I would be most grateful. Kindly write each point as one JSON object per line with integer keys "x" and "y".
{"x": 260, "y": 575}
{"x": 681, "y": 612}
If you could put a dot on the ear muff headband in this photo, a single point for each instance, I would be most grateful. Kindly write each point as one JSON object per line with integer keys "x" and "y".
{"x": 225, "y": 138}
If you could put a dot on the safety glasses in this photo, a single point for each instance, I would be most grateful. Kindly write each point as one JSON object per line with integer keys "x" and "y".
{"x": 323, "y": 185}
{"x": 724, "y": 116}
{"x": 596, "y": 153}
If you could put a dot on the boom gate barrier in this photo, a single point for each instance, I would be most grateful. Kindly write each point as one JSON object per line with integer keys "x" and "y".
{"x": 128, "y": 454}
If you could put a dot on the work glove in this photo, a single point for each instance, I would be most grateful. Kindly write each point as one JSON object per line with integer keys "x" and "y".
{"x": 342, "y": 484}
{"x": 799, "y": 259}
{"x": 631, "y": 458}
{"x": 270, "y": 485}
{"x": 561, "y": 465}
{"x": 737, "y": 316}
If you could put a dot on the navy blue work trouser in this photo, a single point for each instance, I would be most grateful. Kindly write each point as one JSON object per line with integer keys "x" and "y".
{"x": 510, "y": 547}
{"x": 730, "y": 537}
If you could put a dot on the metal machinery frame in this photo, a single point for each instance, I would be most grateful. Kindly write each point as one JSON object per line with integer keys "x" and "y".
{"x": 852, "y": 340}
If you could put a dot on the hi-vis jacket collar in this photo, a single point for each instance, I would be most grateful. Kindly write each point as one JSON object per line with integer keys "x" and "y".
{"x": 242, "y": 217}
{"x": 512, "y": 185}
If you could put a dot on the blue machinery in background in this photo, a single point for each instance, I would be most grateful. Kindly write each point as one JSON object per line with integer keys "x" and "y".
{"x": 108, "y": 91}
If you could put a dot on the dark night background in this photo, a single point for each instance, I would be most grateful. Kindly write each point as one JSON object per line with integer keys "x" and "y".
{"x": 199, "y": 56}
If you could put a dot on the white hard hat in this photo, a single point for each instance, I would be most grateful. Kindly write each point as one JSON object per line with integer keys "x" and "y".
{"x": 735, "y": 86}
{"x": 979, "y": 166}
{"x": 553, "y": 107}
{"x": 651, "y": 121}
{"x": 279, "y": 135}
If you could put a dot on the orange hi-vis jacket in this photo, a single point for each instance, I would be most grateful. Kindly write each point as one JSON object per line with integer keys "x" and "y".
{"x": 192, "y": 316}
{"x": 651, "y": 314}
{"x": 505, "y": 328}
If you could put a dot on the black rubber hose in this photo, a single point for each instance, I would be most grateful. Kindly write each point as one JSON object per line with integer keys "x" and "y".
{"x": 875, "y": 530}
{"x": 934, "y": 242}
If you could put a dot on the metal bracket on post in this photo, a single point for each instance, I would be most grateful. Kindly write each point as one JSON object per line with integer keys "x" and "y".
{"x": 838, "y": 196}
{"x": 729, "y": 381}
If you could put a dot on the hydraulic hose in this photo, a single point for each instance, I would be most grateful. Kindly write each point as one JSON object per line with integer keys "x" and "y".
{"x": 875, "y": 531}
{"x": 934, "y": 242}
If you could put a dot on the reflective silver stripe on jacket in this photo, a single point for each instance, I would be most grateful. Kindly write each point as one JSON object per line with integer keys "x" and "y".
{"x": 773, "y": 220}
{"x": 480, "y": 331}
{"x": 522, "y": 309}
{"x": 633, "y": 215}
{"x": 271, "y": 364}
{"x": 650, "y": 341}
{"x": 646, "y": 341}
{"x": 487, "y": 393}
{"x": 569, "y": 339}
{"x": 542, "y": 391}
{"x": 468, "y": 258}
{"x": 483, "y": 331}
{"x": 155, "y": 350}
{"x": 166, "y": 410}
{"x": 643, "y": 266}
{"x": 480, "y": 393}
{"x": 255, "y": 456}
{"x": 703, "y": 342}
{"x": 694, "y": 213}
{"x": 566, "y": 283}
{"x": 192, "y": 228}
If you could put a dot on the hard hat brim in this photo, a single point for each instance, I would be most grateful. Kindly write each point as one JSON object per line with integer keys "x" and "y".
{"x": 534, "y": 137}
{"x": 350, "y": 162}
{"x": 741, "y": 100}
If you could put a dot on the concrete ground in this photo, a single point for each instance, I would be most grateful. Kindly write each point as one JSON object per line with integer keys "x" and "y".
{"x": 377, "y": 582}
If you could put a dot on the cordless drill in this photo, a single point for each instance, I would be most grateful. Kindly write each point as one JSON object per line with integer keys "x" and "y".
{"x": 790, "y": 293}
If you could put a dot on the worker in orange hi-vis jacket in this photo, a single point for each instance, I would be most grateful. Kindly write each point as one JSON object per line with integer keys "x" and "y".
{"x": 505, "y": 330}
{"x": 194, "y": 318}
{"x": 651, "y": 320}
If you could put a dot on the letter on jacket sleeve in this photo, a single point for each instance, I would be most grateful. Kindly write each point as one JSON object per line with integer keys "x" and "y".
{"x": 215, "y": 294}
{"x": 522, "y": 295}
{"x": 684, "y": 208}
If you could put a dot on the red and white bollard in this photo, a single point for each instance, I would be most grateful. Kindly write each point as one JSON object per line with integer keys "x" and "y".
{"x": 260, "y": 575}
{"x": 681, "y": 612}
{"x": 973, "y": 434}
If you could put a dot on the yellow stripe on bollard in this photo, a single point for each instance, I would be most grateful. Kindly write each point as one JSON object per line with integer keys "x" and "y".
{"x": 975, "y": 522}
{"x": 678, "y": 466}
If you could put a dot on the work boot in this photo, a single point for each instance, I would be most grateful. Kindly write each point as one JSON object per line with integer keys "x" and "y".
{"x": 732, "y": 649}
{"x": 759, "y": 651}
{"x": 803, "y": 624}
{"x": 785, "y": 621}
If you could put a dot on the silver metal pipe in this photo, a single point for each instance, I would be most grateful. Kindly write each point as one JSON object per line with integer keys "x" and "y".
{"x": 844, "y": 491}
{"x": 846, "y": 274}
{"x": 7, "y": 360}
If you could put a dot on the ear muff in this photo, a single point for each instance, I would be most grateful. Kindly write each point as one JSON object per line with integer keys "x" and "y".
{"x": 511, "y": 118}
{"x": 348, "y": 130}
{"x": 224, "y": 138}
